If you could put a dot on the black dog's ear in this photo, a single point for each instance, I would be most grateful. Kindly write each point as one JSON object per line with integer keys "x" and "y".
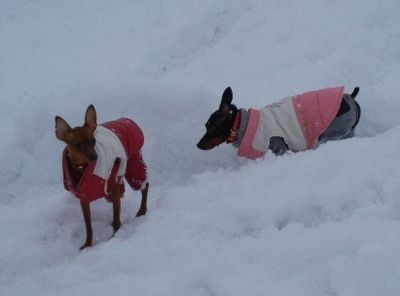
{"x": 226, "y": 99}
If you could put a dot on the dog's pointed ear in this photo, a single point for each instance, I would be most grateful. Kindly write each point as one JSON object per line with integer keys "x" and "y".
{"x": 226, "y": 100}
{"x": 62, "y": 128}
{"x": 91, "y": 118}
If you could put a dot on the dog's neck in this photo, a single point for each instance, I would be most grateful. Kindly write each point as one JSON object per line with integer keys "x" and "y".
{"x": 233, "y": 111}
{"x": 76, "y": 171}
{"x": 234, "y": 125}
{"x": 239, "y": 127}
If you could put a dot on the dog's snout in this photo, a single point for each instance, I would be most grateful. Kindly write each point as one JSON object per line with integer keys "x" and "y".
{"x": 205, "y": 144}
{"x": 202, "y": 144}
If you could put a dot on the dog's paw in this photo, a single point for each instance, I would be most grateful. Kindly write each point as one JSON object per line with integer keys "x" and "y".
{"x": 88, "y": 243}
{"x": 116, "y": 225}
{"x": 141, "y": 212}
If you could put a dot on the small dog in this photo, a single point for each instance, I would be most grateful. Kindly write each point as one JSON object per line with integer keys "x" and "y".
{"x": 294, "y": 123}
{"x": 95, "y": 160}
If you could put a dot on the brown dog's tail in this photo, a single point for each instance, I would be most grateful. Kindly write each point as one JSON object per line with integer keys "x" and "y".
{"x": 355, "y": 92}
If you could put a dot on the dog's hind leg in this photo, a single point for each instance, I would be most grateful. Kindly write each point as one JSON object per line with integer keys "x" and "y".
{"x": 88, "y": 222}
{"x": 143, "y": 204}
{"x": 347, "y": 118}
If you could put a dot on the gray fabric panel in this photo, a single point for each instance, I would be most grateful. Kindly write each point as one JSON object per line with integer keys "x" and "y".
{"x": 342, "y": 127}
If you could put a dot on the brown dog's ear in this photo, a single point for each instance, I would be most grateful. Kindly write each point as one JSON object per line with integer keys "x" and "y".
{"x": 62, "y": 128}
{"x": 91, "y": 118}
{"x": 226, "y": 100}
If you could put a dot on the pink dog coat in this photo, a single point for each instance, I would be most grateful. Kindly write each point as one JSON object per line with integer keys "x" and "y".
{"x": 299, "y": 120}
{"x": 118, "y": 148}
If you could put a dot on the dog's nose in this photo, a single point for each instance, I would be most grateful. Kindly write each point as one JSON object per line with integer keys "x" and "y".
{"x": 201, "y": 146}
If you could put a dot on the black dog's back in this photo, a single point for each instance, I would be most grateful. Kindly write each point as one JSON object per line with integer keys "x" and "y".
{"x": 342, "y": 127}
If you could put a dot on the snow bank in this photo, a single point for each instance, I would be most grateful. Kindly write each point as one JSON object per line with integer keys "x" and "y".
{"x": 323, "y": 222}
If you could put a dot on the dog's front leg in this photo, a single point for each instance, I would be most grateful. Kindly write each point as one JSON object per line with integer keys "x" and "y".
{"x": 116, "y": 200}
{"x": 88, "y": 223}
{"x": 143, "y": 204}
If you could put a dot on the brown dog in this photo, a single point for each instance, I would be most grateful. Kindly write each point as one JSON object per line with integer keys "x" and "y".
{"x": 96, "y": 159}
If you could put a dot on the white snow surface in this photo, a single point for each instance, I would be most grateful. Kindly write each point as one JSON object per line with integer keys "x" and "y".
{"x": 322, "y": 222}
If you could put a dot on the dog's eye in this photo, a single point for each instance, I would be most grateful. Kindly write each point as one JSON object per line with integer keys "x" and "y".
{"x": 93, "y": 141}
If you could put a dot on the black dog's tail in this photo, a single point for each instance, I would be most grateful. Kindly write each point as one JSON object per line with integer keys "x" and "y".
{"x": 355, "y": 92}
{"x": 353, "y": 95}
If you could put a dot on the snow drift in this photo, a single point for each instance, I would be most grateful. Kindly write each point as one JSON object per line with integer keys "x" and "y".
{"x": 323, "y": 222}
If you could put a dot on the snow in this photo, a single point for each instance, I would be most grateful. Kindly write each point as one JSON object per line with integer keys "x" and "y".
{"x": 323, "y": 222}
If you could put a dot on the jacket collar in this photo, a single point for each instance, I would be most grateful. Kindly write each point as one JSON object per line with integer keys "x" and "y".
{"x": 244, "y": 119}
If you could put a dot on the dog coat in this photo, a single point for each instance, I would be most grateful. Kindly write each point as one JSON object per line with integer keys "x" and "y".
{"x": 118, "y": 147}
{"x": 298, "y": 119}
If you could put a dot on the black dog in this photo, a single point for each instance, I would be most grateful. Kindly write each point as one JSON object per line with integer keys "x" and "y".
{"x": 294, "y": 123}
